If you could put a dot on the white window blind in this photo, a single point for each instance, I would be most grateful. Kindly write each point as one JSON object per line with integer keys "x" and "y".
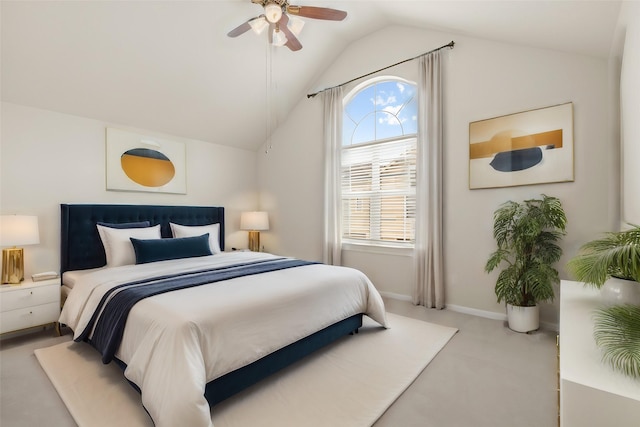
{"x": 379, "y": 192}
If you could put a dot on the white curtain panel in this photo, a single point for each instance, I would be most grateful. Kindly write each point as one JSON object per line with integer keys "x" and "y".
{"x": 429, "y": 286}
{"x": 332, "y": 245}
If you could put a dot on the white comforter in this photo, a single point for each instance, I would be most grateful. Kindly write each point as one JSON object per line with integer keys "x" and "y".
{"x": 177, "y": 342}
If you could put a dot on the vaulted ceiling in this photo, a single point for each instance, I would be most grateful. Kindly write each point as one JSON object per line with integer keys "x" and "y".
{"x": 168, "y": 66}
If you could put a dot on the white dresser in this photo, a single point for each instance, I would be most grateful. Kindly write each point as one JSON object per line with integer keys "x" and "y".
{"x": 591, "y": 393}
{"x": 29, "y": 304}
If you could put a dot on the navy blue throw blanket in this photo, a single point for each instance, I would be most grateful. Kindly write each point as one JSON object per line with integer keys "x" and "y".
{"x": 111, "y": 314}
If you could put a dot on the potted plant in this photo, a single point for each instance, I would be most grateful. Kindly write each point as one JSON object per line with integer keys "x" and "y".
{"x": 527, "y": 234}
{"x": 612, "y": 264}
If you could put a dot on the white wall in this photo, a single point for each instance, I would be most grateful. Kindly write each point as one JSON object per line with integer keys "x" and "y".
{"x": 630, "y": 112}
{"x": 484, "y": 79}
{"x": 49, "y": 158}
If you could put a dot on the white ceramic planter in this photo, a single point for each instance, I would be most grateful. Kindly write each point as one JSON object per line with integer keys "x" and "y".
{"x": 523, "y": 319}
{"x": 620, "y": 291}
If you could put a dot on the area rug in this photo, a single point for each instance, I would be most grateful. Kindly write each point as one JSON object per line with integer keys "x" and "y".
{"x": 349, "y": 383}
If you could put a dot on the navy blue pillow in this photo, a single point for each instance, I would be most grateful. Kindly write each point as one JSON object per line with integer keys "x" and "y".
{"x": 140, "y": 224}
{"x": 153, "y": 250}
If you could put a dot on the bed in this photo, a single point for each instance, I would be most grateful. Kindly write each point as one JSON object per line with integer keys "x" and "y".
{"x": 219, "y": 337}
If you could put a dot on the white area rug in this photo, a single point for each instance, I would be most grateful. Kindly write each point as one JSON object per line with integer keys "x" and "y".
{"x": 349, "y": 383}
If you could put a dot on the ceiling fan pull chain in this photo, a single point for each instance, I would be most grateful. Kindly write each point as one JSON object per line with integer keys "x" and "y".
{"x": 269, "y": 97}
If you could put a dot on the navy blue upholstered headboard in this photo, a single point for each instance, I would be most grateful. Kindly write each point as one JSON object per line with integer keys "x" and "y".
{"x": 80, "y": 245}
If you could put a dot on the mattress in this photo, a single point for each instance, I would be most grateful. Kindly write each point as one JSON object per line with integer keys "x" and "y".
{"x": 69, "y": 279}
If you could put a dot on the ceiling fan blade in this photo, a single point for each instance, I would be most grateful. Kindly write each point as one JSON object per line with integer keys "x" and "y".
{"x": 292, "y": 41}
{"x": 317, "y": 12}
{"x": 242, "y": 28}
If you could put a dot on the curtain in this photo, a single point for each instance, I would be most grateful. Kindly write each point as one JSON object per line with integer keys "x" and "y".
{"x": 332, "y": 245}
{"x": 429, "y": 286}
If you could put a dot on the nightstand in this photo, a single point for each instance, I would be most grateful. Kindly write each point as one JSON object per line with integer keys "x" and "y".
{"x": 29, "y": 304}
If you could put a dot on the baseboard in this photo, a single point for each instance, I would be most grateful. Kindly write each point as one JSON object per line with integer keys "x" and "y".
{"x": 395, "y": 296}
{"x": 476, "y": 312}
{"x": 472, "y": 311}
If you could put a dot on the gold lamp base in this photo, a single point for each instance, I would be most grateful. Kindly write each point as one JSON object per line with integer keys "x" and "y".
{"x": 254, "y": 241}
{"x": 13, "y": 266}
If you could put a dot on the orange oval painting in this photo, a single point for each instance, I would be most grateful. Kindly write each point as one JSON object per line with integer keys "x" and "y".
{"x": 147, "y": 167}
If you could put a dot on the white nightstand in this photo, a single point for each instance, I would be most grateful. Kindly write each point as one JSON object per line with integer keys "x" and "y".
{"x": 29, "y": 304}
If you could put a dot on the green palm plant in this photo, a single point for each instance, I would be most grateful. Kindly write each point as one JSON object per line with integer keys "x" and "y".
{"x": 616, "y": 328}
{"x": 527, "y": 234}
{"x": 616, "y": 254}
{"x": 617, "y": 334}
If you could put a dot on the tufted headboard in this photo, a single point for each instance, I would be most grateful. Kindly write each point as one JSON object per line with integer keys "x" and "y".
{"x": 80, "y": 245}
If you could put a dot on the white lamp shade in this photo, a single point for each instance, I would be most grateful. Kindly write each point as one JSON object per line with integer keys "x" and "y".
{"x": 273, "y": 12}
{"x": 19, "y": 230}
{"x": 295, "y": 25}
{"x": 258, "y": 24}
{"x": 255, "y": 221}
{"x": 279, "y": 39}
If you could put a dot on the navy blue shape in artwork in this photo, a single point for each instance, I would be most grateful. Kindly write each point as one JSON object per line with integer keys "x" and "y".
{"x": 516, "y": 160}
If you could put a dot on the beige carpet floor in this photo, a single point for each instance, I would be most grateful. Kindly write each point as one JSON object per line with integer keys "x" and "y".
{"x": 349, "y": 383}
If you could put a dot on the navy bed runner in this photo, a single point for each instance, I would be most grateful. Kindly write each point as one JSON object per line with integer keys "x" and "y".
{"x": 111, "y": 314}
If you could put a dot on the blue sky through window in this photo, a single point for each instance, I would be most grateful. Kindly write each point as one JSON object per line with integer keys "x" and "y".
{"x": 386, "y": 109}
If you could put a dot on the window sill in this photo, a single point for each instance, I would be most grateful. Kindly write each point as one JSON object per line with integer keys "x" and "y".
{"x": 378, "y": 249}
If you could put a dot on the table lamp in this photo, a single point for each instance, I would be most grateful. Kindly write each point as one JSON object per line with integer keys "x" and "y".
{"x": 254, "y": 222}
{"x": 16, "y": 230}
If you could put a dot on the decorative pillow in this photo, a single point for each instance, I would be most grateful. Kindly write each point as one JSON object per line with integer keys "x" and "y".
{"x": 139, "y": 224}
{"x": 198, "y": 230}
{"x": 118, "y": 247}
{"x": 120, "y": 225}
{"x": 164, "y": 249}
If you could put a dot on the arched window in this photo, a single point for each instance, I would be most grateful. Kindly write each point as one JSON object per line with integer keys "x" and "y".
{"x": 378, "y": 160}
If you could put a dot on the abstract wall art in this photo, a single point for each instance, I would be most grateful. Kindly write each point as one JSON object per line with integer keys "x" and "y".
{"x": 530, "y": 147}
{"x": 138, "y": 162}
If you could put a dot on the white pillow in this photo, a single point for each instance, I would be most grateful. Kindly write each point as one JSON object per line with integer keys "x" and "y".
{"x": 198, "y": 230}
{"x": 118, "y": 247}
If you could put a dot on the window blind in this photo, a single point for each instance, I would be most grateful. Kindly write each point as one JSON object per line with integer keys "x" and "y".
{"x": 379, "y": 192}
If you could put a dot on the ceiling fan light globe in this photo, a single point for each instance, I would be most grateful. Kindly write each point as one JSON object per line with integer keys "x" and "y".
{"x": 279, "y": 39}
{"x": 273, "y": 12}
{"x": 258, "y": 24}
{"x": 295, "y": 25}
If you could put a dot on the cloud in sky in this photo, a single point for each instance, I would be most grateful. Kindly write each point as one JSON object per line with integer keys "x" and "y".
{"x": 382, "y": 99}
{"x": 392, "y": 117}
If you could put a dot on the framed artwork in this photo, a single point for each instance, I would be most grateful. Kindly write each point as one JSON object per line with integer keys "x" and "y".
{"x": 144, "y": 163}
{"x": 531, "y": 147}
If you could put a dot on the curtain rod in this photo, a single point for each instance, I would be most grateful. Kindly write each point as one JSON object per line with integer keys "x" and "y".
{"x": 450, "y": 44}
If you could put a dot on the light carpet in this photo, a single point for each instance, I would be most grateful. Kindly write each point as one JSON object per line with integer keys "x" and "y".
{"x": 349, "y": 383}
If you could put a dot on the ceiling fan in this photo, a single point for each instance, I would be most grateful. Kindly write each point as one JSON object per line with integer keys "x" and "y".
{"x": 283, "y": 22}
